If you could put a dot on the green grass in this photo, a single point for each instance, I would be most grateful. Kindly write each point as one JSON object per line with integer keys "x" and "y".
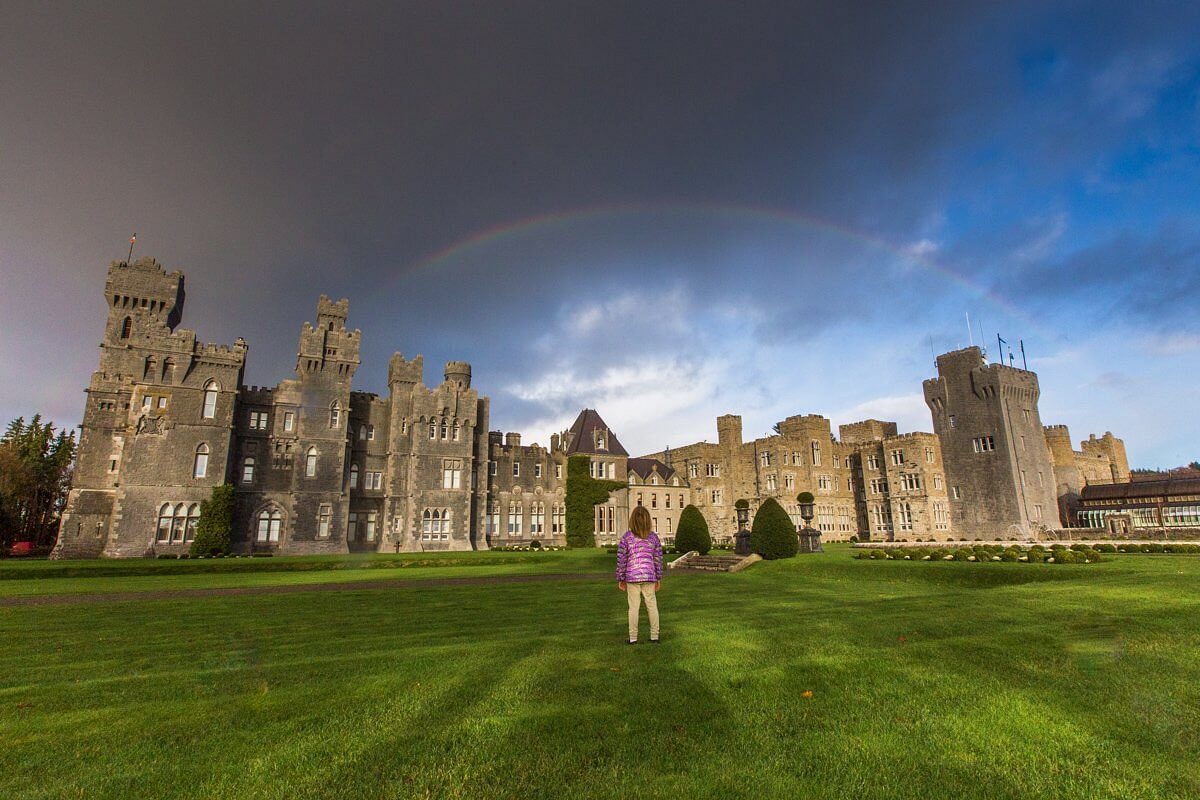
{"x": 928, "y": 681}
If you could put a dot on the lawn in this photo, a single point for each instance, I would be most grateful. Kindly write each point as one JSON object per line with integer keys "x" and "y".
{"x": 820, "y": 676}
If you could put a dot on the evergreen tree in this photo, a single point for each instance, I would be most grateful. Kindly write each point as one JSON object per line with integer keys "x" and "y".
{"x": 772, "y": 534}
{"x": 215, "y": 529}
{"x": 692, "y": 533}
{"x": 35, "y": 475}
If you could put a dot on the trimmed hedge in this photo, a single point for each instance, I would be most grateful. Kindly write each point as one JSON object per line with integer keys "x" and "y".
{"x": 583, "y": 494}
{"x": 692, "y": 533}
{"x": 214, "y": 530}
{"x": 772, "y": 534}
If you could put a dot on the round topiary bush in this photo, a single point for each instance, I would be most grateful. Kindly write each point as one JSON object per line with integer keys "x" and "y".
{"x": 963, "y": 554}
{"x": 1105, "y": 548}
{"x": 772, "y": 534}
{"x": 1065, "y": 556}
{"x": 1036, "y": 555}
{"x": 1011, "y": 554}
{"x": 692, "y": 533}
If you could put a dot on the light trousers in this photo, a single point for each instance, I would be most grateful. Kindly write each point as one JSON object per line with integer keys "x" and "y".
{"x": 635, "y": 592}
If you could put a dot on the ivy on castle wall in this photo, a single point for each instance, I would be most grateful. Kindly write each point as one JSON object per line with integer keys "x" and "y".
{"x": 583, "y": 494}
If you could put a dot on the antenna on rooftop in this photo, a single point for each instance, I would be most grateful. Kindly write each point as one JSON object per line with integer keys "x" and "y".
{"x": 1000, "y": 349}
{"x": 970, "y": 336}
{"x": 933, "y": 352}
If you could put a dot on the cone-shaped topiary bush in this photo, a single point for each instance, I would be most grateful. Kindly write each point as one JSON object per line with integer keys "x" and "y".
{"x": 213, "y": 531}
{"x": 692, "y": 533}
{"x": 772, "y": 534}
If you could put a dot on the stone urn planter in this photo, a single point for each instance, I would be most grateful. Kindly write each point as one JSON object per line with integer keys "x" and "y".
{"x": 810, "y": 537}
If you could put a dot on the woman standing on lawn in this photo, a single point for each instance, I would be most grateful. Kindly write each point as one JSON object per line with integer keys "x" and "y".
{"x": 639, "y": 571}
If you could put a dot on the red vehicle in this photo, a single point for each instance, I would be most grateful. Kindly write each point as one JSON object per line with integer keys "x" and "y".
{"x": 21, "y": 549}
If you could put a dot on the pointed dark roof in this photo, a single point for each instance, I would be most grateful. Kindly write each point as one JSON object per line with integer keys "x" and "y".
{"x": 583, "y": 436}
{"x": 642, "y": 467}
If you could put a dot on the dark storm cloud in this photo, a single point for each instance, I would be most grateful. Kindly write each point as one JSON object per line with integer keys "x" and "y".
{"x": 277, "y": 152}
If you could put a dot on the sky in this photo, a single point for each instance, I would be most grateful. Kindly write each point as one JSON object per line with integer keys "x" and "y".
{"x": 664, "y": 211}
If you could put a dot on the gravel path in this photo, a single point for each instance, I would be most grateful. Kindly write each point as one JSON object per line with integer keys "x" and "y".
{"x": 343, "y": 586}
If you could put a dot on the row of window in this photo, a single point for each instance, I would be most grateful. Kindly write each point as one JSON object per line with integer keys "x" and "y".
{"x": 515, "y": 517}
{"x": 654, "y": 499}
{"x": 493, "y": 468}
{"x": 1172, "y": 517}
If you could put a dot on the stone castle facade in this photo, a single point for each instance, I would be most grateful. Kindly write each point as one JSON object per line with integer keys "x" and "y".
{"x": 321, "y": 468}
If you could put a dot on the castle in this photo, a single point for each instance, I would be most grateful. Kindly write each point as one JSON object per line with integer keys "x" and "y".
{"x": 321, "y": 468}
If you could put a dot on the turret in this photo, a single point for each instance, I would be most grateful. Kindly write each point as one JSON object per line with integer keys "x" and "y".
{"x": 459, "y": 372}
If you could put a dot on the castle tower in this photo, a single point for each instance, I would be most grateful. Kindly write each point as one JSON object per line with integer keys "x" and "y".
{"x": 1068, "y": 479}
{"x": 994, "y": 449}
{"x": 158, "y": 423}
{"x": 1112, "y": 447}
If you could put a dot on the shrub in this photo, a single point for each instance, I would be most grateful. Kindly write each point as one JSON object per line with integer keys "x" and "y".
{"x": 535, "y": 544}
{"x": 1011, "y": 554}
{"x": 963, "y": 553}
{"x": 692, "y": 533}
{"x": 1106, "y": 548}
{"x": 1066, "y": 556}
{"x": 805, "y": 497}
{"x": 215, "y": 527}
{"x": 983, "y": 554}
{"x": 772, "y": 534}
{"x": 1153, "y": 547}
{"x": 1081, "y": 547}
{"x": 1036, "y": 555}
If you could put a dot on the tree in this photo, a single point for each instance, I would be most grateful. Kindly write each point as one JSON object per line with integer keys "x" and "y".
{"x": 215, "y": 529}
{"x": 772, "y": 534}
{"x": 692, "y": 533}
{"x": 35, "y": 475}
{"x": 583, "y": 493}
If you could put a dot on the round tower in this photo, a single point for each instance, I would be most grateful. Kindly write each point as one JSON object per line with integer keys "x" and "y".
{"x": 459, "y": 372}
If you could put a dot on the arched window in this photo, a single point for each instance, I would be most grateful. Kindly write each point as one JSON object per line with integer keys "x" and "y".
{"x": 193, "y": 519}
{"x": 210, "y": 400}
{"x": 270, "y": 521}
{"x": 335, "y": 414}
{"x": 126, "y": 328}
{"x": 165, "y": 515}
{"x": 362, "y": 433}
{"x": 179, "y": 526}
{"x": 432, "y": 429}
{"x": 200, "y": 467}
{"x": 445, "y": 428}
{"x": 456, "y": 431}
{"x": 354, "y": 476}
{"x": 310, "y": 462}
{"x": 248, "y": 470}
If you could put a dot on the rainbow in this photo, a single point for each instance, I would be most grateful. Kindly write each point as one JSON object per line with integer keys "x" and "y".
{"x": 497, "y": 234}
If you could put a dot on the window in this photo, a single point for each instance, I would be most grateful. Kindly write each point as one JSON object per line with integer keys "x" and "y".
{"x": 515, "y": 512}
{"x": 537, "y": 519}
{"x": 537, "y": 470}
{"x": 1037, "y": 512}
{"x": 667, "y": 499}
{"x": 639, "y": 498}
{"x": 335, "y": 414}
{"x": 654, "y": 500}
{"x": 165, "y": 516}
{"x": 816, "y": 454}
{"x": 362, "y": 433}
{"x": 668, "y": 525}
{"x": 797, "y": 460}
{"x": 878, "y": 486}
{"x": 455, "y": 435}
{"x": 372, "y": 521}
{"x": 310, "y": 463}
{"x": 983, "y": 444}
{"x": 324, "y": 515}
{"x": 956, "y": 493}
{"x": 905, "y": 517}
{"x": 432, "y": 429}
{"x": 717, "y": 498}
{"x": 558, "y": 471}
{"x": 897, "y": 457}
{"x": 825, "y": 483}
{"x": 789, "y": 481}
{"x": 200, "y": 465}
{"x": 445, "y": 429}
{"x": 516, "y": 469}
{"x": 937, "y": 481}
{"x": 928, "y": 455}
{"x": 772, "y": 483}
{"x": 941, "y": 518}
{"x": 911, "y": 482}
{"x": 258, "y": 420}
{"x": 881, "y": 516}
{"x": 162, "y": 402}
{"x": 371, "y": 433}
{"x": 451, "y": 474}
{"x": 147, "y": 402}
{"x": 352, "y": 528}
{"x": 374, "y": 480}
{"x": 435, "y": 524}
{"x": 953, "y": 421}
{"x": 712, "y": 470}
{"x": 764, "y": 459}
{"x": 126, "y": 328}
{"x": 289, "y": 420}
{"x": 270, "y": 520}
{"x": 493, "y": 518}
{"x": 1041, "y": 478}
{"x": 601, "y": 441}
{"x": 177, "y": 523}
{"x": 492, "y": 468}
{"x": 693, "y": 470}
{"x": 872, "y": 462}
{"x": 558, "y": 520}
{"x": 354, "y": 476}
{"x": 210, "y": 400}
{"x": 247, "y": 470}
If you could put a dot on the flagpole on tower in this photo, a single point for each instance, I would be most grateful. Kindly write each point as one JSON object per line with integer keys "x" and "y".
{"x": 129, "y": 258}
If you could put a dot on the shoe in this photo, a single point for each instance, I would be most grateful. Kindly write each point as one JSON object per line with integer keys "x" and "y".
{"x": 632, "y": 641}
{"x": 655, "y": 641}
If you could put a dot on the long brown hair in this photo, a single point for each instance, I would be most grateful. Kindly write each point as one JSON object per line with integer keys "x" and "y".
{"x": 639, "y": 522}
